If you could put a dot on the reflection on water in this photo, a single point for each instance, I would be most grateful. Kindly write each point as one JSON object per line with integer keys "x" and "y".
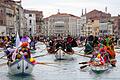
{"x": 62, "y": 70}
{"x": 20, "y": 77}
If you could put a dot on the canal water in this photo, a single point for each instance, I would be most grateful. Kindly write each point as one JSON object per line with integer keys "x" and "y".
{"x": 61, "y": 70}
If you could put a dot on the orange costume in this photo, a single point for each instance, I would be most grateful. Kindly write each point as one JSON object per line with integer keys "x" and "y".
{"x": 110, "y": 51}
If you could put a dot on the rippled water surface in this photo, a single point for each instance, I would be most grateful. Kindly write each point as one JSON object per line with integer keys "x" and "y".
{"x": 61, "y": 70}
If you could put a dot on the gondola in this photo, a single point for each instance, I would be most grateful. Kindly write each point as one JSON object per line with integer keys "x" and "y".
{"x": 21, "y": 66}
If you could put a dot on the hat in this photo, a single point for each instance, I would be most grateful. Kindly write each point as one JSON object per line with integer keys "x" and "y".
{"x": 24, "y": 44}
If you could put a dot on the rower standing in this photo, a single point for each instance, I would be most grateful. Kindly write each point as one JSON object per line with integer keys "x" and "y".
{"x": 69, "y": 44}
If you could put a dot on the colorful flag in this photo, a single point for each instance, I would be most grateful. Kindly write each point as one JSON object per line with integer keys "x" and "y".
{"x": 18, "y": 42}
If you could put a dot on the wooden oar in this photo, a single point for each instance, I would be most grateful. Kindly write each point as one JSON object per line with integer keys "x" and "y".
{"x": 78, "y": 51}
{"x": 83, "y": 66}
{"x": 84, "y": 55}
{"x": 40, "y": 56}
{"x": 51, "y": 65}
{"x": 2, "y": 56}
{"x": 45, "y": 63}
{"x": 83, "y": 62}
{"x": 81, "y": 50}
{"x": 43, "y": 50}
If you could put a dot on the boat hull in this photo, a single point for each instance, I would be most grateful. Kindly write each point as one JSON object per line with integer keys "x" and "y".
{"x": 22, "y": 66}
{"x": 61, "y": 55}
{"x": 99, "y": 69}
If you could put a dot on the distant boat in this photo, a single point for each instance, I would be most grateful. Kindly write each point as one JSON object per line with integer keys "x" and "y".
{"x": 22, "y": 66}
{"x": 61, "y": 55}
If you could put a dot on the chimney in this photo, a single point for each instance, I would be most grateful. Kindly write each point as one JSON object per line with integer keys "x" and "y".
{"x": 58, "y": 11}
{"x": 106, "y": 9}
{"x": 85, "y": 10}
{"x": 82, "y": 12}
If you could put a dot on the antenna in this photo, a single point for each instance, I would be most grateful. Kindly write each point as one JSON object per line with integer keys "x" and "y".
{"x": 106, "y": 9}
{"x": 85, "y": 10}
{"x": 58, "y": 11}
{"x": 82, "y": 12}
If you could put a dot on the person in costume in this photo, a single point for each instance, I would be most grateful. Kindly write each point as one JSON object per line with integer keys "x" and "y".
{"x": 89, "y": 46}
{"x": 24, "y": 50}
{"x": 69, "y": 44}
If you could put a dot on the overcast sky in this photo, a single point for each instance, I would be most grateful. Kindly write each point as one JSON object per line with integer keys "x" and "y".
{"x": 71, "y": 6}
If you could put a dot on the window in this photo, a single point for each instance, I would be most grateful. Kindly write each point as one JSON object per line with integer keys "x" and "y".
{"x": 1, "y": 11}
{"x": 92, "y": 20}
{"x": 59, "y": 31}
{"x": 30, "y": 15}
{"x": 81, "y": 28}
{"x": 105, "y": 31}
{"x": 30, "y": 29}
{"x": 89, "y": 28}
{"x": 1, "y": 22}
{"x": 30, "y": 22}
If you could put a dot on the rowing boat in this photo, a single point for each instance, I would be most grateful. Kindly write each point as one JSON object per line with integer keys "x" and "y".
{"x": 21, "y": 66}
{"x": 62, "y": 55}
{"x": 99, "y": 68}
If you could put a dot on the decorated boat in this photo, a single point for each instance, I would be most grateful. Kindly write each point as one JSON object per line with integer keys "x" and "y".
{"x": 98, "y": 64}
{"x": 20, "y": 66}
{"x": 63, "y": 55}
{"x": 20, "y": 61}
{"x": 99, "y": 68}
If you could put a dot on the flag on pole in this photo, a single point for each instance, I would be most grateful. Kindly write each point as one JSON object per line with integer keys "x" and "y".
{"x": 18, "y": 42}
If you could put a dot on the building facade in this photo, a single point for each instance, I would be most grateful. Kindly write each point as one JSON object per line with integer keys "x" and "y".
{"x": 39, "y": 22}
{"x": 7, "y": 17}
{"x": 31, "y": 23}
{"x": 97, "y": 15}
{"x": 83, "y": 23}
{"x": 34, "y": 21}
{"x": 95, "y": 22}
{"x": 12, "y": 17}
{"x": 116, "y": 25}
{"x": 62, "y": 24}
{"x": 20, "y": 20}
{"x": 95, "y": 27}
{"x": 2, "y": 20}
